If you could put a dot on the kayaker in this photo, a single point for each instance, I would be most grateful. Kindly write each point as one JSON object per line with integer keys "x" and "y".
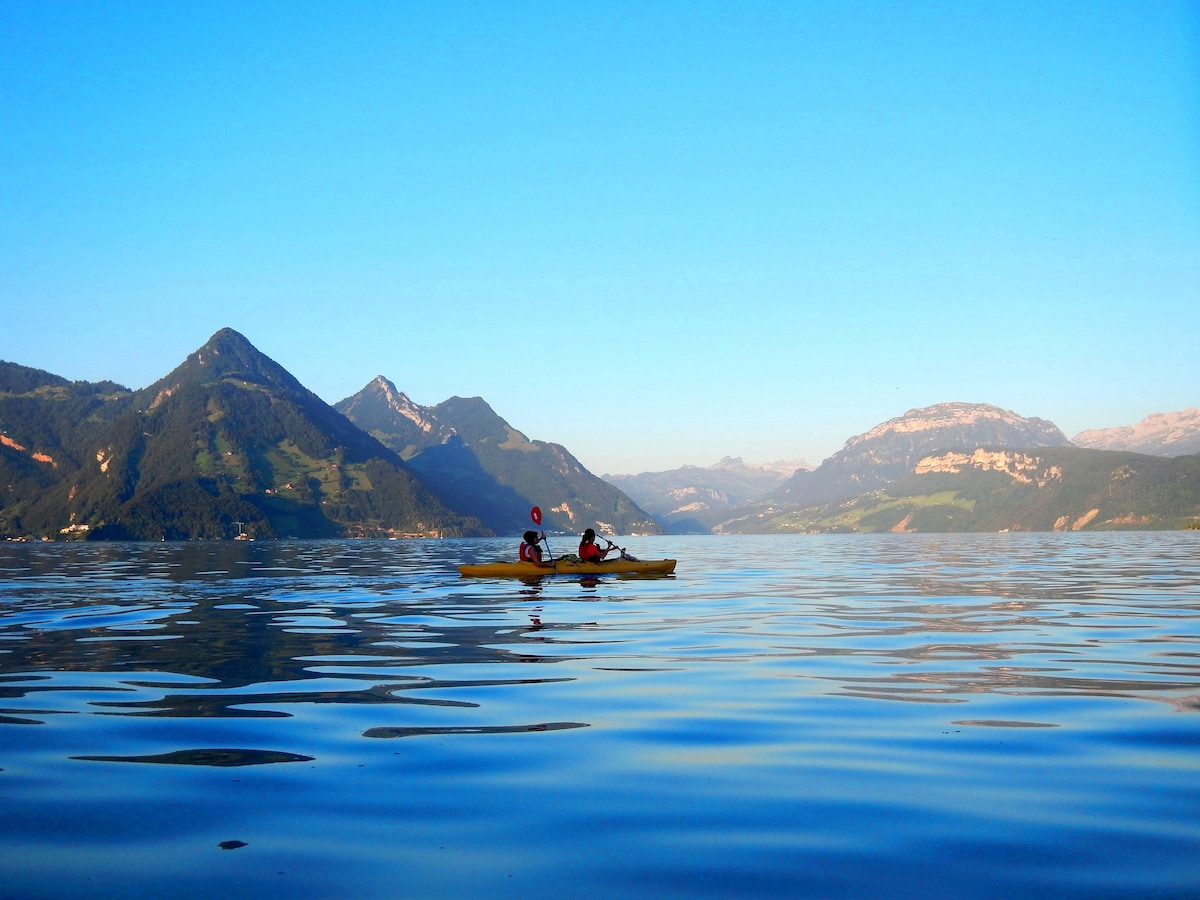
{"x": 588, "y": 551}
{"x": 531, "y": 552}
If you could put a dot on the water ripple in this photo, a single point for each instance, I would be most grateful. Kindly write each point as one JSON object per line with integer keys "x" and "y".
{"x": 974, "y": 715}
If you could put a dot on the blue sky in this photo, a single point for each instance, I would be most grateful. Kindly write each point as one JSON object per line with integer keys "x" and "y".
{"x": 656, "y": 233}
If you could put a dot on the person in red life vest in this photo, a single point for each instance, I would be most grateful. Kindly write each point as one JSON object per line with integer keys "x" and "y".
{"x": 531, "y": 552}
{"x": 588, "y": 551}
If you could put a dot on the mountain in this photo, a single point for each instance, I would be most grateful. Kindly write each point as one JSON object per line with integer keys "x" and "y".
{"x": 680, "y": 497}
{"x": 231, "y": 443}
{"x": 47, "y": 425}
{"x": 227, "y": 442}
{"x": 889, "y": 451}
{"x": 1159, "y": 434}
{"x": 998, "y": 489}
{"x": 975, "y": 467}
{"x": 476, "y": 460}
{"x": 388, "y": 414}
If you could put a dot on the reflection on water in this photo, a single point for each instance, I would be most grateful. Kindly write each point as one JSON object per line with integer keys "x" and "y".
{"x": 208, "y": 758}
{"x": 982, "y": 715}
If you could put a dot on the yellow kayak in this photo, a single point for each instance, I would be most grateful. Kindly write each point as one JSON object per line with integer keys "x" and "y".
{"x": 570, "y": 566}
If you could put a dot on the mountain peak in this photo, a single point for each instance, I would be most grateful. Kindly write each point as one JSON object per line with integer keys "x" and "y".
{"x": 228, "y": 355}
{"x": 477, "y": 460}
{"x": 377, "y": 405}
{"x": 961, "y": 417}
{"x": 227, "y": 339}
{"x": 395, "y": 398}
{"x": 1159, "y": 434}
{"x": 225, "y": 347}
{"x": 890, "y": 450}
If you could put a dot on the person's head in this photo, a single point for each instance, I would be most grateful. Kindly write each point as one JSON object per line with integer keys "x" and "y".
{"x": 531, "y": 537}
{"x": 589, "y": 536}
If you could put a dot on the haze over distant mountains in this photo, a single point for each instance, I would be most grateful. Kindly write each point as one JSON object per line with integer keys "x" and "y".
{"x": 1159, "y": 434}
{"x": 230, "y": 444}
{"x": 680, "y": 498}
{"x": 947, "y": 467}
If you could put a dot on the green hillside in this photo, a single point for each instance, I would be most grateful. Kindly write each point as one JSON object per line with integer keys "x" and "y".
{"x": 1068, "y": 489}
{"x": 476, "y": 460}
{"x": 228, "y": 443}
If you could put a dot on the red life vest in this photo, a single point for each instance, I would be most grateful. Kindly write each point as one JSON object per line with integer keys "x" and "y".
{"x": 589, "y": 551}
{"x": 530, "y": 553}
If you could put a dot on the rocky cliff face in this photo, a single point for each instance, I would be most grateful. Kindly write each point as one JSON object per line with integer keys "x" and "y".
{"x": 1159, "y": 434}
{"x": 392, "y": 417}
{"x": 1026, "y": 468}
{"x": 950, "y": 425}
{"x": 891, "y": 450}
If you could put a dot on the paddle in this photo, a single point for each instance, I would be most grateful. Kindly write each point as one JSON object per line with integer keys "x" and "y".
{"x": 536, "y": 515}
{"x": 624, "y": 555}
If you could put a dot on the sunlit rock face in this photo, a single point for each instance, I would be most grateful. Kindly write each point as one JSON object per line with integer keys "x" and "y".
{"x": 1159, "y": 434}
{"x": 1026, "y": 468}
{"x": 892, "y": 449}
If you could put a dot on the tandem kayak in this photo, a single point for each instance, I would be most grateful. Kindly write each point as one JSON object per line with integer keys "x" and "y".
{"x": 570, "y": 566}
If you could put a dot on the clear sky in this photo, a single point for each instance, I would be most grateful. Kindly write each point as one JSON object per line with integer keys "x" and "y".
{"x": 656, "y": 233}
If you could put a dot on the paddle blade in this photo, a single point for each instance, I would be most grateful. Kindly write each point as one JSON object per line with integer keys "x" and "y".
{"x": 536, "y": 515}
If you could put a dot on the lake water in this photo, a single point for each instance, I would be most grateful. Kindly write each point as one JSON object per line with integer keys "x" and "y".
{"x": 976, "y": 716}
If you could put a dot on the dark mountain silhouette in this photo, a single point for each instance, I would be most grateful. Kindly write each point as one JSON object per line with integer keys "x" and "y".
{"x": 229, "y": 442}
{"x": 47, "y": 426}
{"x": 477, "y": 460}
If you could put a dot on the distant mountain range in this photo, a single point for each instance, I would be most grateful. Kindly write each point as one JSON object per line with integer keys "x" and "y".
{"x": 889, "y": 451}
{"x": 230, "y": 445}
{"x": 1159, "y": 434}
{"x": 684, "y": 498}
{"x": 958, "y": 467}
{"x": 475, "y": 460}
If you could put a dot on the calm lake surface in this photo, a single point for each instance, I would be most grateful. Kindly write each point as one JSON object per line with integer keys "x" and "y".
{"x": 977, "y": 716}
